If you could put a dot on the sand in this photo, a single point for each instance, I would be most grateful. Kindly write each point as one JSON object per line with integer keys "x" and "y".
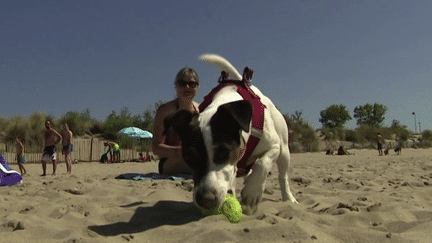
{"x": 356, "y": 198}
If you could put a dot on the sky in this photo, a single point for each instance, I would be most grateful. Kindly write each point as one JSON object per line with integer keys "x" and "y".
{"x": 60, "y": 56}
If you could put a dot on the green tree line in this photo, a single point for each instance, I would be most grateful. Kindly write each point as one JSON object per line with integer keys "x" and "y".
{"x": 31, "y": 130}
{"x": 303, "y": 137}
{"x": 370, "y": 119}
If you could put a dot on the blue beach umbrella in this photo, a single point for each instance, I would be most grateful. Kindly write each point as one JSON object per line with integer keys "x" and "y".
{"x": 134, "y": 132}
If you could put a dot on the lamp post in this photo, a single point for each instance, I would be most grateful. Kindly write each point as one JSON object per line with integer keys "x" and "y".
{"x": 419, "y": 128}
{"x": 415, "y": 122}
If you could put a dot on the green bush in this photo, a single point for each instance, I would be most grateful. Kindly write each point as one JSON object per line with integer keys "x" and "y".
{"x": 402, "y": 135}
{"x": 77, "y": 123}
{"x": 426, "y": 136}
{"x": 30, "y": 131}
{"x": 353, "y": 136}
{"x": 301, "y": 135}
{"x": 328, "y": 133}
{"x": 308, "y": 139}
{"x": 368, "y": 133}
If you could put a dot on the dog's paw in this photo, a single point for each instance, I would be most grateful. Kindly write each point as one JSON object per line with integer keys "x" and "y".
{"x": 292, "y": 199}
{"x": 251, "y": 197}
{"x": 248, "y": 210}
{"x": 287, "y": 195}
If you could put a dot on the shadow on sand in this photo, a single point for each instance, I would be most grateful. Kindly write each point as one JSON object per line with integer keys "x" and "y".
{"x": 145, "y": 218}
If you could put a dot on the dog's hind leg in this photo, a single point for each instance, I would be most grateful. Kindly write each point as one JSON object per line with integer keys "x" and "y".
{"x": 282, "y": 164}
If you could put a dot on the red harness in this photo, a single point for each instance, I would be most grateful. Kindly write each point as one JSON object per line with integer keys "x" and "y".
{"x": 246, "y": 92}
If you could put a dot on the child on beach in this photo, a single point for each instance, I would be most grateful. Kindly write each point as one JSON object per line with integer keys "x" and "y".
{"x": 20, "y": 155}
{"x": 379, "y": 144}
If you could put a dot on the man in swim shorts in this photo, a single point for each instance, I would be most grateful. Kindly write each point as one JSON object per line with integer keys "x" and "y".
{"x": 52, "y": 137}
{"x": 67, "y": 146}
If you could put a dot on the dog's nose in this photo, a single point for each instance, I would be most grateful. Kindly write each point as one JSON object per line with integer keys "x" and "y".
{"x": 206, "y": 198}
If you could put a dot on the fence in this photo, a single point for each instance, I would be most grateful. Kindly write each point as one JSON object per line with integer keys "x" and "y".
{"x": 84, "y": 150}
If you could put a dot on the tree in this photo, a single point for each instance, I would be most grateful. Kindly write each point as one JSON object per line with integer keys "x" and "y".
{"x": 334, "y": 116}
{"x": 148, "y": 120}
{"x": 395, "y": 124}
{"x": 372, "y": 115}
{"x": 401, "y": 131}
{"x": 85, "y": 114}
{"x": 297, "y": 116}
{"x": 79, "y": 123}
{"x": 157, "y": 104}
{"x": 115, "y": 123}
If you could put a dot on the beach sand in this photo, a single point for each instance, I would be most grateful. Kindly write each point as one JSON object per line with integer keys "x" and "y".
{"x": 356, "y": 198}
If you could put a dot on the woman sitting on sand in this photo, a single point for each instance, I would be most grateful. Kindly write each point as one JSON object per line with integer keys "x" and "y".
{"x": 341, "y": 151}
{"x": 167, "y": 146}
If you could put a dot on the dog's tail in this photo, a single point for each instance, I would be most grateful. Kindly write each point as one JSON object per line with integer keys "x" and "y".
{"x": 218, "y": 61}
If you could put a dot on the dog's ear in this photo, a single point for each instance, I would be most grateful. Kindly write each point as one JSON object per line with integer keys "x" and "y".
{"x": 238, "y": 111}
{"x": 229, "y": 120}
{"x": 178, "y": 121}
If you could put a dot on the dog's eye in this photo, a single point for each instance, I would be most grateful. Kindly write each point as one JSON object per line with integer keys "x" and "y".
{"x": 221, "y": 154}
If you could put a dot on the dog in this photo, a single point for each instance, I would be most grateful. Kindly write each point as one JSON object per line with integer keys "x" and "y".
{"x": 215, "y": 140}
{"x": 386, "y": 151}
{"x": 398, "y": 150}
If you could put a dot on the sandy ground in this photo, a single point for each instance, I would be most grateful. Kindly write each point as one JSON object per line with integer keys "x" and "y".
{"x": 355, "y": 198}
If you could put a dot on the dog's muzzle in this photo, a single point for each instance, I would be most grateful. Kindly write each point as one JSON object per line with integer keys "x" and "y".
{"x": 206, "y": 197}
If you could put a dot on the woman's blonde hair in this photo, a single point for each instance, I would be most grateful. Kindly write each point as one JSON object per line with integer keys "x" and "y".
{"x": 187, "y": 71}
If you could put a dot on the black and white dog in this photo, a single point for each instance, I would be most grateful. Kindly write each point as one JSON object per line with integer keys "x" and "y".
{"x": 214, "y": 141}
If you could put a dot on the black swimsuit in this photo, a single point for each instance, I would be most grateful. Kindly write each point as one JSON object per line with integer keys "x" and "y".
{"x": 171, "y": 139}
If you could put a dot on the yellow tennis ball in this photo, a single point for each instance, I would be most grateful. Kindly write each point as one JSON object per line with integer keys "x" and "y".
{"x": 211, "y": 212}
{"x": 231, "y": 209}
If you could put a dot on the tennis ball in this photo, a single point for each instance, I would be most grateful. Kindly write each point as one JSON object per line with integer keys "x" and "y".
{"x": 231, "y": 209}
{"x": 211, "y": 212}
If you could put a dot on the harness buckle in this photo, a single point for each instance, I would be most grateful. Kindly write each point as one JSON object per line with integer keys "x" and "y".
{"x": 224, "y": 77}
{"x": 248, "y": 75}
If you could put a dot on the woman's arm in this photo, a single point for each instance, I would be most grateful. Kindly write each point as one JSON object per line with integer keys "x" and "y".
{"x": 158, "y": 145}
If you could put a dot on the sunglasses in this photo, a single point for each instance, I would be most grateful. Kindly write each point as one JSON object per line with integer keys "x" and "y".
{"x": 191, "y": 84}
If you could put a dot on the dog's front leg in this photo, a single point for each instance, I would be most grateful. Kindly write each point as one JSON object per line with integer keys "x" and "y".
{"x": 255, "y": 182}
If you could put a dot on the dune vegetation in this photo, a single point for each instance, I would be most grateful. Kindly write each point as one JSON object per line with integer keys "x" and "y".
{"x": 303, "y": 137}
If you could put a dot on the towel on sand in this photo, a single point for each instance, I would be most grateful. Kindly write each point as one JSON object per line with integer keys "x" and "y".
{"x": 152, "y": 176}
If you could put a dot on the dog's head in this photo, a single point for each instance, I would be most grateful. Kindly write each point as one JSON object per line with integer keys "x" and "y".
{"x": 212, "y": 143}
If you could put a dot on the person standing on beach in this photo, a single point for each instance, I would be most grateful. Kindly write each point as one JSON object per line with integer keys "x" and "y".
{"x": 51, "y": 137}
{"x": 108, "y": 151}
{"x": 379, "y": 144}
{"x": 20, "y": 155}
{"x": 167, "y": 145}
{"x": 67, "y": 146}
{"x": 114, "y": 151}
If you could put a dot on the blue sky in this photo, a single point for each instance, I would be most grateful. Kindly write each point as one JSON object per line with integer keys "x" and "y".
{"x": 59, "y": 56}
